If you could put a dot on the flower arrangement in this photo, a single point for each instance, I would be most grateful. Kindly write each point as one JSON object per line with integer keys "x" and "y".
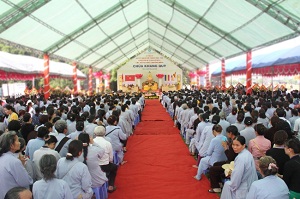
{"x": 255, "y": 88}
{"x": 263, "y": 88}
{"x": 138, "y": 76}
{"x": 33, "y": 91}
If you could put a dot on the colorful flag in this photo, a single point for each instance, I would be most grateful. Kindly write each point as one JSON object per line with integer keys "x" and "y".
{"x": 129, "y": 77}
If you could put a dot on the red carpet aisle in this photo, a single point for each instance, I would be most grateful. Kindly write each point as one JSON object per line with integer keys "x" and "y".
{"x": 159, "y": 165}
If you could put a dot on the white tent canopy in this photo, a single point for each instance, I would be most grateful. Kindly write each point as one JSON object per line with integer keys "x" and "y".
{"x": 25, "y": 67}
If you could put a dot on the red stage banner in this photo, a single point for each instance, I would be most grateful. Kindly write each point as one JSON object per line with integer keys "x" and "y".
{"x": 129, "y": 77}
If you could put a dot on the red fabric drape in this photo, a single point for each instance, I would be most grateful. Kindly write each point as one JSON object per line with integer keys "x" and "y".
{"x": 207, "y": 77}
{"x": 90, "y": 79}
{"x": 46, "y": 77}
{"x": 75, "y": 77}
{"x": 284, "y": 70}
{"x": 223, "y": 78}
{"x": 249, "y": 72}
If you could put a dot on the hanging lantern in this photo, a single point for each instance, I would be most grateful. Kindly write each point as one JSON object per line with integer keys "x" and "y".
{"x": 104, "y": 76}
{"x": 192, "y": 75}
{"x": 201, "y": 73}
{"x": 138, "y": 76}
{"x": 160, "y": 75}
{"x": 98, "y": 74}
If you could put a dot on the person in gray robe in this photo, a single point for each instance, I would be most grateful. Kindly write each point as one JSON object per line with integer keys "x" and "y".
{"x": 74, "y": 172}
{"x": 92, "y": 153}
{"x": 215, "y": 152}
{"x": 116, "y": 135}
{"x": 271, "y": 186}
{"x": 12, "y": 172}
{"x": 243, "y": 174}
{"x": 50, "y": 187}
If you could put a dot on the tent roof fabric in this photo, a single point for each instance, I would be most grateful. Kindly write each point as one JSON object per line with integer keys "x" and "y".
{"x": 280, "y": 62}
{"x": 33, "y": 67}
{"x": 105, "y": 34}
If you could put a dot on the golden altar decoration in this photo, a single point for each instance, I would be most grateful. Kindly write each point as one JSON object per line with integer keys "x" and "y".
{"x": 149, "y": 84}
{"x": 167, "y": 88}
{"x": 130, "y": 89}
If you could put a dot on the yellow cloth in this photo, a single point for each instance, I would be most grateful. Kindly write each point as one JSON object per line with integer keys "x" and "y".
{"x": 13, "y": 116}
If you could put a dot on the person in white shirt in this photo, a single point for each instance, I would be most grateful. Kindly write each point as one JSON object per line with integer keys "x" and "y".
{"x": 139, "y": 109}
{"x": 106, "y": 161}
{"x": 295, "y": 116}
{"x": 297, "y": 127}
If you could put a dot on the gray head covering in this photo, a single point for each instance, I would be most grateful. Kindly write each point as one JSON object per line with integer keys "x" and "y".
{"x": 99, "y": 131}
{"x": 184, "y": 106}
{"x": 222, "y": 115}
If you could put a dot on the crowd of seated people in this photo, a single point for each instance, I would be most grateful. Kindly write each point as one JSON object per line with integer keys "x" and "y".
{"x": 53, "y": 141}
{"x": 258, "y": 132}
{"x": 64, "y": 147}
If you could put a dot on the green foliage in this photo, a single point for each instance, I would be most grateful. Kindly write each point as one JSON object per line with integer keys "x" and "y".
{"x": 185, "y": 74}
{"x": 84, "y": 69}
{"x": 62, "y": 83}
{"x": 10, "y": 49}
{"x": 113, "y": 75}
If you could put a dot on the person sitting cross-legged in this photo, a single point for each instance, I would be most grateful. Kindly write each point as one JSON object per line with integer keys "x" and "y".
{"x": 215, "y": 152}
{"x": 243, "y": 174}
{"x": 216, "y": 172}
